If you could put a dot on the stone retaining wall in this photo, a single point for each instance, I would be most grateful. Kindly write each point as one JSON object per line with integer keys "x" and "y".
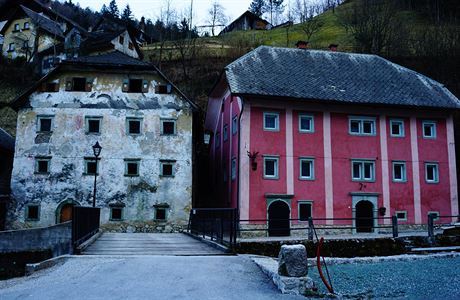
{"x": 57, "y": 239}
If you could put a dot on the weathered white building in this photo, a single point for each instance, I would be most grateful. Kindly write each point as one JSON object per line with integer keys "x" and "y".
{"x": 144, "y": 125}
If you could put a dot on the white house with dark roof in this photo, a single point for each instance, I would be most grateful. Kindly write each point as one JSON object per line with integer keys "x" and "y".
{"x": 144, "y": 125}
{"x": 347, "y": 139}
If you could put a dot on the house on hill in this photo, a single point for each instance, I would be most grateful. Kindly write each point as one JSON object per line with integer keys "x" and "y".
{"x": 144, "y": 125}
{"x": 302, "y": 133}
{"x": 247, "y": 21}
{"x": 6, "y": 163}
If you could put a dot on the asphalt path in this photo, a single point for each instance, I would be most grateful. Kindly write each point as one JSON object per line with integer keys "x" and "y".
{"x": 146, "y": 277}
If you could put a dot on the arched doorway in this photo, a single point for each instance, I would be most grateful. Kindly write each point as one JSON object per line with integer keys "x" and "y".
{"x": 364, "y": 216}
{"x": 64, "y": 211}
{"x": 278, "y": 219}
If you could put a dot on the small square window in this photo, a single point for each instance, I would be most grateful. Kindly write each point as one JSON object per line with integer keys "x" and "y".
{"x": 116, "y": 213}
{"x": 91, "y": 166}
{"x": 11, "y": 47}
{"x": 32, "y": 212}
{"x": 429, "y": 129}
{"x": 16, "y": 27}
{"x": 168, "y": 127}
{"x": 51, "y": 87}
{"x": 397, "y": 128}
{"x": 306, "y": 168}
{"x": 306, "y": 123}
{"x": 121, "y": 40}
{"x": 134, "y": 125}
{"x": 131, "y": 46}
{"x": 271, "y": 121}
{"x": 305, "y": 211}
{"x": 399, "y": 172}
{"x": 431, "y": 173}
{"x": 135, "y": 86}
{"x": 233, "y": 168}
{"x": 78, "y": 84}
{"x": 225, "y": 133}
{"x": 167, "y": 168}
{"x": 160, "y": 214}
{"x": 93, "y": 125}
{"x": 271, "y": 167}
{"x": 45, "y": 123}
{"x": 42, "y": 165}
{"x": 163, "y": 89}
{"x": 235, "y": 125}
{"x": 401, "y": 215}
{"x": 132, "y": 167}
{"x": 26, "y": 25}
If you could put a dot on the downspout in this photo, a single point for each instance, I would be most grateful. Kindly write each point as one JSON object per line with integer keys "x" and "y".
{"x": 239, "y": 162}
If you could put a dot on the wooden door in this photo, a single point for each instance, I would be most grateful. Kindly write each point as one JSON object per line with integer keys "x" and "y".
{"x": 66, "y": 213}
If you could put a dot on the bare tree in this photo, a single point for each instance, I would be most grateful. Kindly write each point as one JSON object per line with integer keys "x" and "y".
{"x": 167, "y": 17}
{"x": 216, "y": 16}
{"x": 311, "y": 26}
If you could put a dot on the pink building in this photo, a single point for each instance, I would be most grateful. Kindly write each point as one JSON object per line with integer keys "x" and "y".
{"x": 300, "y": 133}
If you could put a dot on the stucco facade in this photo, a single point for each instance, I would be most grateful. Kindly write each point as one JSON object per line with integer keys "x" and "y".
{"x": 327, "y": 158}
{"x": 137, "y": 194}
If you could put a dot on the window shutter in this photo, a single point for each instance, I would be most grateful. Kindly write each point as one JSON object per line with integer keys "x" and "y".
{"x": 169, "y": 88}
{"x": 125, "y": 87}
{"x": 89, "y": 84}
{"x": 145, "y": 86}
{"x": 68, "y": 84}
{"x": 157, "y": 89}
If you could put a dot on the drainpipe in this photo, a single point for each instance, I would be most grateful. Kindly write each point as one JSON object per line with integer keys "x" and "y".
{"x": 239, "y": 161}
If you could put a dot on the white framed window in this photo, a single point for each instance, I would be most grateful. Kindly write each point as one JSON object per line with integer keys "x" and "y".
{"x": 168, "y": 127}
{"x": 133, "y": 126}
{"x": 305, "y": 209}
{"x": 235, "y": 125}
{"x": 234, "y": 168}
{"x": 363, "y": 170}
{"x": 225, "y": 132}
{"x": 132, "y": 166}
{"x": 93, "y": 125}
{"x": 429, "y": 129}
{"x": 44, "y": 123}
{"x": 91, "y": 166}
{"x": 42, "y": 165}
{"x": 167, "y": 168}
{"x": 26, "y": 26}
{"x": 399, "y": 171}
{"x": 401, "y": 215}
{"x": 396, "y": 128}
{"x": 431, "y": 172}
{"x": 361, "y": 126}
{"x": 307, "y": 169}
{"x": 271, "y": 121}
{"x": 306, "y": 123}
{"x": 271, "y": 165}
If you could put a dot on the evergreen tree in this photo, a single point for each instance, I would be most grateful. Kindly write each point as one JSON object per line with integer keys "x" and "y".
{"x": 104, "y": 10}
{"x": 113, "y": 9}
{"x": 257, "y": 7}
{"x": 127, "y": 14}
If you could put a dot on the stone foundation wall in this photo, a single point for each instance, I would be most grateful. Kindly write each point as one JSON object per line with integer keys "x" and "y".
{"x": 147, "y": 227}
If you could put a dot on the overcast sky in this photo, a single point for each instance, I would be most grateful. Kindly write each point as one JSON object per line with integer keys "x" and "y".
{"x": 150, "y": 8}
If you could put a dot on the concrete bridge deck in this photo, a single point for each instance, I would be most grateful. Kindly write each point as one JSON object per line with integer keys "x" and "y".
{"x": 149, "y": 244}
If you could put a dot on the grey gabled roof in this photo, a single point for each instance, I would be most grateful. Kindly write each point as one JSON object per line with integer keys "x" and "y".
{"x": 114, "y": 58}
{"x": 335, "y": 77}
{"x": 44, "y": 22}
{"x": 6, "y": 141}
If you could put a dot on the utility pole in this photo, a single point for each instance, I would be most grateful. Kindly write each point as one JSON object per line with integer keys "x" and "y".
{"x": 191, "y": 20}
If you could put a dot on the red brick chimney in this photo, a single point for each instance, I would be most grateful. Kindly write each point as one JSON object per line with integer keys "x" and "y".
{"x": 302, "y": 45}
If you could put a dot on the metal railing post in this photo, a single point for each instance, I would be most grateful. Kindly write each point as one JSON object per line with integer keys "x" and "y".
{"x": 310, "y": 229}
{"x": 394, "y": 225}
{"x": 431, "y": 225}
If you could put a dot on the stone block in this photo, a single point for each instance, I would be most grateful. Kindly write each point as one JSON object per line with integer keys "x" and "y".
{"x": 293, "y": 261}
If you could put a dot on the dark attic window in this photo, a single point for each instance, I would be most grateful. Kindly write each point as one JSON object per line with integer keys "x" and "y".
{"x": 51, "y": 87}
{"x": 163, "y": 89}
{"x": 135, "y": 85}
{"x": 79, "y": 84}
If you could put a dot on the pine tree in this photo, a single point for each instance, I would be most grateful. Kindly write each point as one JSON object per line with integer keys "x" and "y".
{"x": 113, "y": 9}
{"x": 127, "y": 14}
{"x": 104, "y": 10}
{"x": 257, "y": 7}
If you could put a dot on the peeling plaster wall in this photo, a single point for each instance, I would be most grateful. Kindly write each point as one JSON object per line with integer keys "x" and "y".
{"x": 68, "y": 144}
{"x": 124, "y": 48}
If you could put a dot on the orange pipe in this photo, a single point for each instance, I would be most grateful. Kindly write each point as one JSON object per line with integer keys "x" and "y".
{"x": 318, "y": 264}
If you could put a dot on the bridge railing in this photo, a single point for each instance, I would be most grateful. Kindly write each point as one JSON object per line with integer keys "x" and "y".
{"x": 85, "y": 224}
